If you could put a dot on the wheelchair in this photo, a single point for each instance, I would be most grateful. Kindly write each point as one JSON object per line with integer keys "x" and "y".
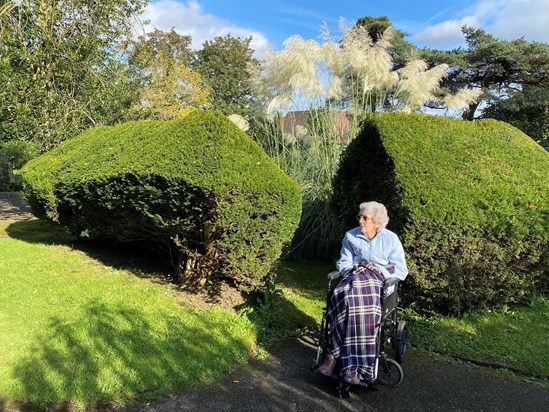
{"x": 390, "y": 331}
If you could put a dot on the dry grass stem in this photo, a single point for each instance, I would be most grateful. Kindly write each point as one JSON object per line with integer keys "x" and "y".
{"x": 239, "y": 121}
{"x": 461, "y": 99}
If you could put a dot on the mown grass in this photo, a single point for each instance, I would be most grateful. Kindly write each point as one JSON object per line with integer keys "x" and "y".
{"x": 512, "y": 339}
{"x": 93, "y": 325}
{"x": 292, "y": 305}
{"x": 76, "y": 329}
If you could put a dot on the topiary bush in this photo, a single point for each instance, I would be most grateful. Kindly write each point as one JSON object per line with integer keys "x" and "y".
{"x": 470, "y": 201}
{"x": 197, "y": 185}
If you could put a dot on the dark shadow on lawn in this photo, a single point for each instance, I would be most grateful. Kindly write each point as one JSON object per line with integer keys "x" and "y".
{"x": 140, "y": 354}
{"x": 39, "y": 231}
{"x": 133, "y": 257}
{"x": 71, "y": 353}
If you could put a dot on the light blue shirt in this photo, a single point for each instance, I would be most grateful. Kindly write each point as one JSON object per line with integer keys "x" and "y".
{"x": 384, "y": 250}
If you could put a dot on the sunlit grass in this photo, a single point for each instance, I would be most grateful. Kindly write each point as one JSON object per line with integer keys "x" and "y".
{"x": 76, "y": 329}
{"x": 304, "y": 284}
{"x": 81, "y": 329}
{"x": 515, "y": 339}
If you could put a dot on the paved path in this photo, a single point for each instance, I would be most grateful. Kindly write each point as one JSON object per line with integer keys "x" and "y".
{"x": 14, "y": 207}
{"x": 283, "y": 382}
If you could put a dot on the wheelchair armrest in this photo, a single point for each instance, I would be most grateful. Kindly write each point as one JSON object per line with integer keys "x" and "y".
{"x": 390, "y": 286}
{"x": 392, "y": 281}
{"x": 333, "y": 275}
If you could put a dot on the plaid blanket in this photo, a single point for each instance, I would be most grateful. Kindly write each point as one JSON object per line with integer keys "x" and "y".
{"x": 354, "y": 313}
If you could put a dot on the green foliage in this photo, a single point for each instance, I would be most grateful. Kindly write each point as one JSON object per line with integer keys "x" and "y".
{"x": 58, "y": 68}
{"x": 469, "y": 200}
{"x": 527, "y": 111}
{"x": 513, "y": 76}
{"x": 163, "y": 59}
{"x": 223, "y": 63}
{"x": 157, "y": 43}
{"x": 197, "y": 184}
{"x": 13, "y": 155}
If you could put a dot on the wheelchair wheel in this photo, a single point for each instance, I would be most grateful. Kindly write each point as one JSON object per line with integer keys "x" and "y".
{"x": 390, "y": 374}
{"x": 400, "y": 341}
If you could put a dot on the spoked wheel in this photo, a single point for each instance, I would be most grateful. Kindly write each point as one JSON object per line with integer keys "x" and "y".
{"x": 400, "y": 341}
{"x": 321, "y": 342}
{"x": 390, "y": 373}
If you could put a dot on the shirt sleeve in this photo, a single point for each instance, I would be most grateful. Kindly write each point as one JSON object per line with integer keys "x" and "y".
{"x": 345, "y": 263}
{"x": 396, "y": 267}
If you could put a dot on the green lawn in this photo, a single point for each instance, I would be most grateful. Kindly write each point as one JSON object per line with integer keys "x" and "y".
{"x": 75, "y": 328}
{"x": 514, "y": 339}
{"x": 89, "y": 325}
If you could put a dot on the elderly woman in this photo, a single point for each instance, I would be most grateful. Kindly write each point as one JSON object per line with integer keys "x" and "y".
{"x": 370, "y": 254}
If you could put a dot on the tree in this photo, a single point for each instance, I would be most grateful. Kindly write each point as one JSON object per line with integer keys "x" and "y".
{"x": 513, "y": 76}
{"x": 159, "y": 43}
{"x": 223, "y": 63}
{"x": 59, "y": 68}
{"x": 13, "y": 155}
{"x": 401, "y": 50}
{"x": 162, "y": 59}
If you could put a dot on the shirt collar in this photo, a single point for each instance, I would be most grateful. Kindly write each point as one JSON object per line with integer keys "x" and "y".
{"x": 359, "y": 234}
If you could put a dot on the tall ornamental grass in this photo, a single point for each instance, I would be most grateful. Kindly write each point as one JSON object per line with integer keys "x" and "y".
{"x": 352, "y": 75}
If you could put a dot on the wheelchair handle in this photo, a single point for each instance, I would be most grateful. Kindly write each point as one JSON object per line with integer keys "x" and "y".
{"x": 333, "y": 275}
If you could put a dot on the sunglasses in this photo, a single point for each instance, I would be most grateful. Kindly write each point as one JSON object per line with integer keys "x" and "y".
{"x": 365, "y": 218}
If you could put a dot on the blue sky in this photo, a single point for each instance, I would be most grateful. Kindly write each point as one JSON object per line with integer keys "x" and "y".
{"x": 430, "y": 23}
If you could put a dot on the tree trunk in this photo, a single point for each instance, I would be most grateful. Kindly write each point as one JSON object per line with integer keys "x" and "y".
{"x": 469, "y": 113}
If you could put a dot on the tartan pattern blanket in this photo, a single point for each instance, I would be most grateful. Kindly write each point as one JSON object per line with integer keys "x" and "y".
{"x": 354, "y": 313}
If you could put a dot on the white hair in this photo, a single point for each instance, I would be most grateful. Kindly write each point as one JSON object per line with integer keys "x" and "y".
{"x": 378, "y": 211}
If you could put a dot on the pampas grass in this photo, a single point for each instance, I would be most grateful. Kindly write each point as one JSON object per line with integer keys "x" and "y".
{"x": 462, "y": 99}
{"x": 239, "y": 121}
{"x": 351, "y": 73}
{"x": 417, "y": 84}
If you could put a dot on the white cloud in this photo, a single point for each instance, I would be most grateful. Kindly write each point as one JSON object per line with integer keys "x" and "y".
{"x": 523, "y": 18}
{"x": 506, "y": 19}
{"x": 188, "y": 18}
{"x": 446, "y": 34}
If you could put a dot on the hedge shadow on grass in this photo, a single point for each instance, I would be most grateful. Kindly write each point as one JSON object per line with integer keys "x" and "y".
{"x": 112, "y": 353}
{"x": 131, "y": 256}
{"x": 39, "y": 231}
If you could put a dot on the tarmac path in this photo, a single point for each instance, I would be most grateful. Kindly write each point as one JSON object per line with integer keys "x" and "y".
{"x": 14, "y": 207}
{"x": 283, "y": 382}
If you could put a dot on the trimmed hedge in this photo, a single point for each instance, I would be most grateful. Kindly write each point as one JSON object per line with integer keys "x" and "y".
{"x": 470, "y": 201}
{"x": 197, "y": 184}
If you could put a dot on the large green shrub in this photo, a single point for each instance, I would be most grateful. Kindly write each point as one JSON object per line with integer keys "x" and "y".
{"x": 470, "y": 201}
{"x": 197, "y": 185}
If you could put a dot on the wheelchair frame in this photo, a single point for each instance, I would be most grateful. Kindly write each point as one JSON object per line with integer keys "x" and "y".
{"x": 387, "y": 371}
